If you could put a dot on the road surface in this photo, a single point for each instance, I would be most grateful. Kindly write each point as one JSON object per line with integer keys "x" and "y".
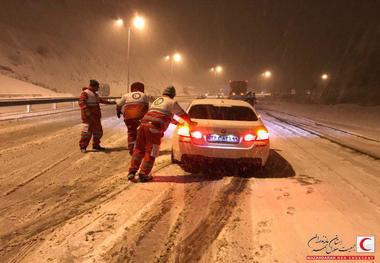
{"x": 59, "y": 205}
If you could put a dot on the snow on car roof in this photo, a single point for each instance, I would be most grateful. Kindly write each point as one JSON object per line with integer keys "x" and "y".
{"x": 220, "y": 102}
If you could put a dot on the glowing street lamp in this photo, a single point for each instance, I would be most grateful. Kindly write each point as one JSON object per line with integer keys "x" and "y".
{"x": 138, "y": 23}
{"x": 119, "y": 22}
{"x": 175, "y": 58}
{"x": 324, "y": 76}
{"x": 267, "y": 74}
{"x": 263, "y": 79}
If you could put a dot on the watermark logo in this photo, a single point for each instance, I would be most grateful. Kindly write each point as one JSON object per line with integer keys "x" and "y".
{"x": 328, "y": 245}
{"x": 365, "y": 244}
{"x": 333, "y": 248}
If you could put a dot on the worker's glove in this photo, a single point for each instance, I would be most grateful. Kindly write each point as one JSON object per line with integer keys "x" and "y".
{"x": 173, "y": 121}
{"x": 193, "y": 123}
{"x": 88, "y": 113}
{"x": 118, "y": 114}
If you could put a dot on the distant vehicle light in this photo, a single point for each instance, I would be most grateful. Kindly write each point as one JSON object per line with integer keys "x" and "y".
{"x": 242, "y": 93}
{"x": 262, "y": 135}
{"x": 249, "y": 137}
{"x": 196, "y": 134}
{"x": 325, "y": 76}
{"x": 184, "y": 131}
{"x": 233, "y": 93}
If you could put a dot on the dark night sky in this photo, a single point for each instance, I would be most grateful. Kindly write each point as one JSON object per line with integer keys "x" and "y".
{"x": 298, "y": 40}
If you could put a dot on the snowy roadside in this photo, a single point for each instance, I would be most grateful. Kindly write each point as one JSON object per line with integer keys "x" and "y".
{"x": 347, "y": 117}
{"x": 19, "y": 115}
{"x": 332, "y": 128}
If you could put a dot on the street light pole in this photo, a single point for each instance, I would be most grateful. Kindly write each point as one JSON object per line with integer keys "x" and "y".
{"x": 128, "y": 56}
{"x": 172, "y": 70}
{"x": 266, "y": 75}
{"x": 172, "y": 59}
{"x": 138, "y": 22}
{"x": 216, "y": 70}
{"x": 215, "y": 84}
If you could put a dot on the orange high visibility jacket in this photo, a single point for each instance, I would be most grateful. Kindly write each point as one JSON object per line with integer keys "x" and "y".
{"x": 133, "y": 105}
{"x": 89, "y": 100}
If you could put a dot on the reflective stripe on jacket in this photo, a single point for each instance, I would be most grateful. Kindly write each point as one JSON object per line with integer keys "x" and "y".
{"x": 161, "y": 112}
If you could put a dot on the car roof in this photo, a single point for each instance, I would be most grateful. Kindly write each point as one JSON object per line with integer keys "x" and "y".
{"x": 221, "y": 102}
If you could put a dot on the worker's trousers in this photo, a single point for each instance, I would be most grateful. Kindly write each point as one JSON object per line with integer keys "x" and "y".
{"x": 147, "y": 148}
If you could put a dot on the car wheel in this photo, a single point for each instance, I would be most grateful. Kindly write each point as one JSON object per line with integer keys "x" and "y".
{"x": 190, "y": 168}
{"x": 245, "y": 171}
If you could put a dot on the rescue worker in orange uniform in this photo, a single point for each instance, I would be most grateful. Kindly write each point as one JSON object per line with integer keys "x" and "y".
{"x": 152, "y": 128}
{"x": 133, "y": 107}
{"x": 89, "y": 102}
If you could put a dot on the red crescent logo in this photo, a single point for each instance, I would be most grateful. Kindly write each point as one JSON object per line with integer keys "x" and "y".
{"x": 361, "y": 244}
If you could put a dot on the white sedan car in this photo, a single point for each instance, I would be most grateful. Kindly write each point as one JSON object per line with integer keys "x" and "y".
{"x": 227, "y": 131}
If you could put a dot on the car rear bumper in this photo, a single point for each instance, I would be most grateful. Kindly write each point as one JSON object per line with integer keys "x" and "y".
{"x": 201, "y": 160}
{"x": 189, "y": 152}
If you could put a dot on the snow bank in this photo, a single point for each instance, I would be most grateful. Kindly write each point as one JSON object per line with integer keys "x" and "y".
{"x": 14, "y": 88}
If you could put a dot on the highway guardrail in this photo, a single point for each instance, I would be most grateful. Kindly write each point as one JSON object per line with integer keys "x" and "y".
{"x": 36, "y": 101}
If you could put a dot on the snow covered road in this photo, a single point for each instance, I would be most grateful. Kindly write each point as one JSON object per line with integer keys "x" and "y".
{"x": 58, "y": 205}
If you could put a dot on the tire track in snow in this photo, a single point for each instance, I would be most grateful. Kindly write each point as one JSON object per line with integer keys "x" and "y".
{"x": 35, "y": 176}
{"x": 28, "y": 235}
{"x": 191, "y": 192}
{"x": 126, "y": 250}
{"x": 197, "y": 242}
{"x": 25, "y": 238}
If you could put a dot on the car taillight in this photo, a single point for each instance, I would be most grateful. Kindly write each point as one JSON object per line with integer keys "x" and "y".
{"x": 183, "y": 131}
{"x": 249, "y": 137}
{"x": 196, "y": 134}
{"x": 262, "y": 135}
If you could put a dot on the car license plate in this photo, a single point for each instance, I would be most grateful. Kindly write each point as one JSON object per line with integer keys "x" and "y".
{"x": 216, "y": 138}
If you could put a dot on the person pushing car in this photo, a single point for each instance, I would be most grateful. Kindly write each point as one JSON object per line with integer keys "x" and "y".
{"x": 152, "y": 128}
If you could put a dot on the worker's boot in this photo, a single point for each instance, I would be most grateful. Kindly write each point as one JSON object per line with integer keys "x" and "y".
{"x": 131, "y": 175}
{"x": 98, "y": 148}
{"x": 145, "y": 178}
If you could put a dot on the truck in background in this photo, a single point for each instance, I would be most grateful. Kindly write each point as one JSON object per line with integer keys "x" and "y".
{"x": 239, "y": 91}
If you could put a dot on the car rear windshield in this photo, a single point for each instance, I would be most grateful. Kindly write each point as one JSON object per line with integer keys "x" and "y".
{"x": 212, "y": 112}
